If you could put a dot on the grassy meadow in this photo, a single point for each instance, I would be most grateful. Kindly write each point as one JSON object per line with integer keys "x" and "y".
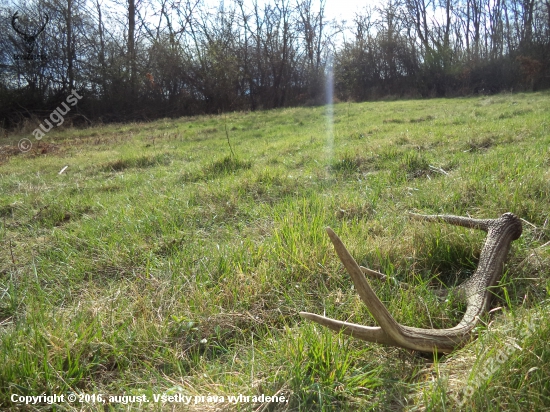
{"x": 174, "y": 256}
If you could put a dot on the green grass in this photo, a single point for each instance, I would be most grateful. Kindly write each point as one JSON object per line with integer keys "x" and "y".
{"x": 161, "y": 263}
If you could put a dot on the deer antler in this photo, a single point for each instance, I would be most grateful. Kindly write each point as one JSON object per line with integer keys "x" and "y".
{"x": 13, "y": 24}
{"x": 43, "y": 26}
{"x": 500, "y": 234}
{"x": 28, "y": 37}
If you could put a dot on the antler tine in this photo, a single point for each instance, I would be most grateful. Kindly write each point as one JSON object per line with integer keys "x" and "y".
{"x": 373, "y": 273}
{"x": 481, "y": 224}
{"x": 44, "y": 26}
{"x": 13, "y": 20}
{"x": 367, "y": 295}
{"x": 380, "y": 276}
{"x": 367, "y": 333}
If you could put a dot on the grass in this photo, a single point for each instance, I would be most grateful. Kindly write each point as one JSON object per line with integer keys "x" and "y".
{"x": 159, "y": 262}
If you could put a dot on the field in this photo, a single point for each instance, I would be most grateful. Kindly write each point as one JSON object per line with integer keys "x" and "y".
{"x": 174, "y": 256}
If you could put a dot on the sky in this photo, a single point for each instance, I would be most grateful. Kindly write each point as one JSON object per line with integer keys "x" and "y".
{"x": 343, "y": 9}
{"x": 334, "y": 9}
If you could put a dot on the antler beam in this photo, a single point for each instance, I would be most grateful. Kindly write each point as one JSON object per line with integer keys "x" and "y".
{"x": 501, "y": 233}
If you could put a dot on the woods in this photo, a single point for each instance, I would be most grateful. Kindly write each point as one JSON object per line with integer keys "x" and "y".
{"x": 151, "y": 59}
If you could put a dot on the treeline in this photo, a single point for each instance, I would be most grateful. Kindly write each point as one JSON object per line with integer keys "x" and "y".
{"x": 162, "y": 58}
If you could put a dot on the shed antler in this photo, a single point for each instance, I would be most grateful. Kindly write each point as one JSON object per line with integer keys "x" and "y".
{"x": 500, "y": 234}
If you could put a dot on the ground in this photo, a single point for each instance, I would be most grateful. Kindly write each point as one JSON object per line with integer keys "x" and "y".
{"x": 171, "y": 258}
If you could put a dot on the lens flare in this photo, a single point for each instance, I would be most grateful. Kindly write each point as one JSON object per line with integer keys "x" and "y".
{"x": 329, "y": 109}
